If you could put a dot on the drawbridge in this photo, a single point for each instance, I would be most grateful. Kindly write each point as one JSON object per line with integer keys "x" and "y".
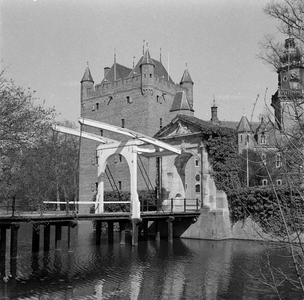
{"x": 138, "y": 145}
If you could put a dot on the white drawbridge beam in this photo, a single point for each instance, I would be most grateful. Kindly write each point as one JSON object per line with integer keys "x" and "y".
{"x": 83, "y": 134}
{"x": 124, "y": 131}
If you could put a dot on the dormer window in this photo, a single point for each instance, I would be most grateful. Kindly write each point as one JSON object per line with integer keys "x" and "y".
{"x": 263, "y": 138}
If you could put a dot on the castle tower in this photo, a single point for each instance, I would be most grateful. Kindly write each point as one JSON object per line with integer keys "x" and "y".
{"x": 285, "y": 101}
{"x": 147, "y": 67}
{"x": 245, "y": 135}
{"x": 187, "y": 83}
{"x": 87, "y": 83}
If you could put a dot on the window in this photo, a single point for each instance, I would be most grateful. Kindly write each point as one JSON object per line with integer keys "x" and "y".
{"x": 263, "y": 138}
{"x": 241, "y": 139}
{"x": 93, "y": 107}
{"x": 263, "y": 156}
{"x": 96, "y": 186}
{"x": 196, "y": 162}
{"x": 101, "y": 132}
{"x": 264, "y": 182}
{"x": 278, "y": 160}
{"x": 129, "y": 100}
{"x": 96, "y": 158}
{"x": 160, "y": 123}
{"x": 97, "y": 105}
{"x": 119, "y": 185}
{"x": 279, "y": 182}
{"x": 197, "y": 188}
{"x": 186, "y": 186}
{"x": 157, "y": 99}
{"x": 197, "y": 177}
{"x": 123, "y": 123}
{"x": 150, "y": 75}
{"x": 120, "y": 157}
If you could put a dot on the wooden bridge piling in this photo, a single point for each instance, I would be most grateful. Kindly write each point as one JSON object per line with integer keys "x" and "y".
{"x": 35, "y": 237}
{"x": 110, "y": 232}
{"x": 14, "y": 240}
{"x": 58, "y": 229}
{"x": 122, "y": 232}
{"x": 98, "y": 232}
{"x": 47, "y": 237}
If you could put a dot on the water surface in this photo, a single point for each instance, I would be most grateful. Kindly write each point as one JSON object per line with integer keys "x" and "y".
{"x": 184, "y": 269}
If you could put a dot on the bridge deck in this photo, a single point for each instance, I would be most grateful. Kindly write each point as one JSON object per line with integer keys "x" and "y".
{"x": 116, "y": 217}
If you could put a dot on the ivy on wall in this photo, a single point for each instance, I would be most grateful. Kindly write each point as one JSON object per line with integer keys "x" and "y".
{"x": 221, "y": 146}
{"x": 262, "y": 205}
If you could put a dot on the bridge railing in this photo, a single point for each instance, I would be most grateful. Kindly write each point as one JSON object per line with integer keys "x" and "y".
{"x": 181, "y": 205}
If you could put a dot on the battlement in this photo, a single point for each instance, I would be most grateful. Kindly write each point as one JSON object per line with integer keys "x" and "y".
{"x": 128, "y": 83}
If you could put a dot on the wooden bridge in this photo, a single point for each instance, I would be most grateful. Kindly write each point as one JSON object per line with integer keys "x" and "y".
{"x": 151, "y": 223}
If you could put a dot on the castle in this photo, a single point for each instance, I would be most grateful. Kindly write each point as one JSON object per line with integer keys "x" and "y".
{"x": 145, "y": 99}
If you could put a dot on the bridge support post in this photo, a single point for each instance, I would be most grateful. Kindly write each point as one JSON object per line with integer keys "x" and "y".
{"x": 58, "y": 228}
{"x": 3, "y": 241}
{"x": 110, "y": 232}
{"x": 134, "y": 232}
{"x": 122, "y": 232}
{"x": 14, "y": 240}
{"x": 71, "y": 225}
{"x": 46, "y": 237}
{"x": 98, "y": 231}
{"x": 170, "y": 229}
{"x": 35, "y": 237}
{"x": 145, "y": 228}
{"x": 157, "y": 231}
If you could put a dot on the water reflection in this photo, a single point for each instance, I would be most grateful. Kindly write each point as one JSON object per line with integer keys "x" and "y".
{"x": 184, "y": 269}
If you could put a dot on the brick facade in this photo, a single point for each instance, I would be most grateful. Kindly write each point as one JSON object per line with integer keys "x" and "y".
{"x": 141, "y": 99}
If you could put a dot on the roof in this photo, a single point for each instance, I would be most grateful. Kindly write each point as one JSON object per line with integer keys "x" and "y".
{"x": 87, "y": 75}
{"x": 159, "y": 70}
{"x": 180, "y": 102}
{"x": 121, "y": 72}
{"x": 196, "y": 122}
{"x": 147, "y": 58}
{"x": 186, "y": 77}
{"x": 244, "y": 125}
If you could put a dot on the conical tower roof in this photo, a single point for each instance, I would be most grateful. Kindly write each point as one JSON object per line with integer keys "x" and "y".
{"x": 87, "y": 75}
{"x": 186, "y": 77}
{"x": 244, "y": 125}
{"x": 147, "y": 60}
{"x": 180, "y": 102}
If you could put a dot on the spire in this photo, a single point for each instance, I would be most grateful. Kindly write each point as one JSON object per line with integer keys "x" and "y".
{"x": 160, "y": 50}
{"x": 186, "y": 76}
{"x": 244, "y": 125}
{"x": 114, "y": 64}
{"x": 214, "y": 118}
{"x": 87, "y": 75}
{"x": 147, "y": 60}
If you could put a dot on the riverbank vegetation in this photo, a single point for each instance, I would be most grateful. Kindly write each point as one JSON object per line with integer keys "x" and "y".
{"x": 36, "y": 163}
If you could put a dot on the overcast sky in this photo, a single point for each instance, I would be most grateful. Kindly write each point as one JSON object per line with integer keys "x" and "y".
{"x": 47, "y": 44}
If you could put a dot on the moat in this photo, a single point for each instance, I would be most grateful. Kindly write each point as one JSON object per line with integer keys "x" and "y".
{"x": 184, "y": 269}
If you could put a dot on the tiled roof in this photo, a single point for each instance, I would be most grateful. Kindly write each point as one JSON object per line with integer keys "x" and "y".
{"x": 186, "y": 77}
{"x": 87, "y": 75}
{"x": 121, "y": 72}
{"x": 147, "y": 58}
{"x": 180, "y": 102}
{"x": 244, "y": 125}
{"x": 159, "y": 70}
